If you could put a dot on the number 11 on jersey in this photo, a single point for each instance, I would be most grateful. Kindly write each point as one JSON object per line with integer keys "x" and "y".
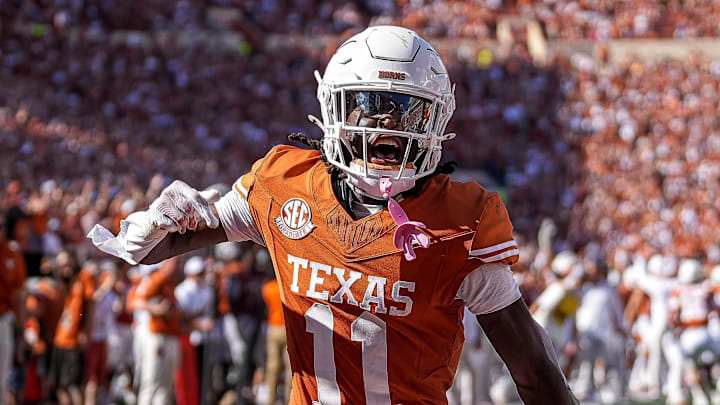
{"x": 368, "y": 329}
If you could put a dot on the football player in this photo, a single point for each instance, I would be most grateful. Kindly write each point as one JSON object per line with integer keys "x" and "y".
{"x": 657, "y": 281}
{"x": 555, "y": 308}
{"x": 690, "y": 306}
{"x": 376, "y": 251}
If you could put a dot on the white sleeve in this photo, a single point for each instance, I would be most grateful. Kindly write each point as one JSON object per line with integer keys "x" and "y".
{"x": 235, "y": 217}
{"x": 551, "y": 296}
{"x": 489, "y": 288}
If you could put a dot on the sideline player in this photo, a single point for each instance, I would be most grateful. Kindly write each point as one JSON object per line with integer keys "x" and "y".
{"x": 690, "y": 306}
{"x": 372, "y": 297}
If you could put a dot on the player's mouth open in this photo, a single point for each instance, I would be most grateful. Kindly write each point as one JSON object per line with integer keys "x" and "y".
{"x": 386, "y": 150}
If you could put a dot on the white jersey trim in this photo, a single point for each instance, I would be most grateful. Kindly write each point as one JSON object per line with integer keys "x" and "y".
{"x": 503, "y": 255}
{"x": 493, "y": 248}
{"x": 242, "y": 190}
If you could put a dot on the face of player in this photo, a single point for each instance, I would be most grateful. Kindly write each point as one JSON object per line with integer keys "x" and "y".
{"x": 65, "y": 266}
{"x": 387, "y": 111}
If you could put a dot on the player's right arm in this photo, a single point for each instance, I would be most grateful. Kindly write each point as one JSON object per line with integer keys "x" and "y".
{"x": 175, "y": 243}
{"x": 180, "y": 220}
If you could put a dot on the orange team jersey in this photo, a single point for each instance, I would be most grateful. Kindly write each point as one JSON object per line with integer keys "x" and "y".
{"x": 131, "y": 297}
{"x": 223, "y": 301}
{"x": 271, "y": 295}
{"x": 12, "y": 274}
{"x": 50, "y": 295}
{"x": 70, "y": 323}
{"x": 161, "y": 285}
{"x": 364, "y": 325}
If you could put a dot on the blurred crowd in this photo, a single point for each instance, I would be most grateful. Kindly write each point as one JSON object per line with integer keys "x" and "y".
{"x": 651, "y": 157}
{"x": 625, "y": 159}
{"x": 100, "y": 109}
{"x": 641, "y": 333}
{"x": 606, "y": 19}
{"x": 203, "y": 328}
{"x": 561, "y": 19}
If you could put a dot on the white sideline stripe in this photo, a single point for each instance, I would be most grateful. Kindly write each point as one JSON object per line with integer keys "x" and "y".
{"x": 500, "y": 256}
{"x": 494, "y": 248}
{"x": 242, "y": 190}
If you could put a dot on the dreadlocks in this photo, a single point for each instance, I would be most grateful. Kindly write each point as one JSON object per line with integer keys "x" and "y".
{"x": 315, "y": 144}
{"x": 303, "y": 139}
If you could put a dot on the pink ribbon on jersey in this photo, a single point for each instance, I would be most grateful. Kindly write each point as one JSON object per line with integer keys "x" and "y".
{"x": 407, "y": 231}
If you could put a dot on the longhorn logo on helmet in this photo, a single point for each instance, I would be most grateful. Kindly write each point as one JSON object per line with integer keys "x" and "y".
{"x": 382, "y": 74}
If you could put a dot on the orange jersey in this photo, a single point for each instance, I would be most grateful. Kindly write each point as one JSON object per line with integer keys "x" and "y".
{"x": 50, "y": 297}
{"x": 12, "y": 274}
{"x": 130, "y": 299}
{"x": 70, "y": 324}
{"x": 364, "y": 325}
{"x": 158, "y": 286}
{"x": 223, "y": 283}
{"x": 271, "y": 295}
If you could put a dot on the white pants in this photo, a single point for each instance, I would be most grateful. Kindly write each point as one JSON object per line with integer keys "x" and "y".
{"x": 139, "y": 337}
{"x": 121, "y": 352}
{"x": 655, "y": 357}
{"x": 160, "y": 355}
{"x": 235, "y": 341}
{"x": 6, "y": 353}
{"x": 693, "y": 343}
{"x": 591, "y": 348}
{"x": 674, "y": 358}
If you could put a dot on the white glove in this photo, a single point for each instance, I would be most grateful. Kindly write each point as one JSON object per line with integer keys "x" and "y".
{"x": 547, "y": 231}
{"x": 179, "y": 207}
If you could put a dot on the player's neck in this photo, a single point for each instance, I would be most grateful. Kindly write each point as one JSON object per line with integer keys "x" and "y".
{"x": 357, "y": 205}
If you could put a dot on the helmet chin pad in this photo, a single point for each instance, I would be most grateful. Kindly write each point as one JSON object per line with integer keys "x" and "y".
{"x": 371, "y": 185}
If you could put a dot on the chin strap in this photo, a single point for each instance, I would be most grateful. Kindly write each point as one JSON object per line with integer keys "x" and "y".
{"x": 407, "y": 231}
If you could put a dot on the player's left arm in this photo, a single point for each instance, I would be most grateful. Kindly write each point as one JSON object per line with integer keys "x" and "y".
{"x": 491, "y": 293}
{"x": 527, "y": 351}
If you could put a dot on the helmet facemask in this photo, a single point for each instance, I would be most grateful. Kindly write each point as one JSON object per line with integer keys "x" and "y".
{"x": 375, "y": 134}
{"x": 385, "y": 100}
{"x": 385, "y": 129}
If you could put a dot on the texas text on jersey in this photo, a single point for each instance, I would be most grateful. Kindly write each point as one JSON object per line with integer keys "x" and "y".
{"x": 364, "y": 325}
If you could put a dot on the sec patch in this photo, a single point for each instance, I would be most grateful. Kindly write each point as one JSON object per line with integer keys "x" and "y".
{"x": 295, "y": 219}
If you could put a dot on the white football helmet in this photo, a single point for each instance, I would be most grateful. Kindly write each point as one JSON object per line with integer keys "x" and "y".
{"x": 715, "y": 275}
{"x": 563, "y": 263}
{"x": 383, "y": 85}
{"x": 655, "y": 265}
{"x": 690, "y": 271}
